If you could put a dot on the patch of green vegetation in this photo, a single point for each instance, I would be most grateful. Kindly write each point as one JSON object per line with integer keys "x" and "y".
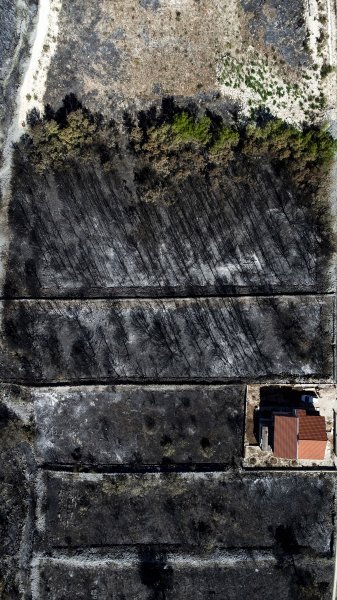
{"x": 184, "y": 144}
{"x": 121, "y": 485}
{"x": 327, "y": 69}
{"x": 187, "y": 129}
{"x": 266, "y": 82}
{"x": 54, "y": 144}
{"x": 226, "y": 141}
{"x": 158, "y": 139}
{"x": 300, "y": 149}
{"x": 301, "y": 155}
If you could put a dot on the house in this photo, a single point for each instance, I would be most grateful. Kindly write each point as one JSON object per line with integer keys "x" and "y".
{"x": 300, "y": 436}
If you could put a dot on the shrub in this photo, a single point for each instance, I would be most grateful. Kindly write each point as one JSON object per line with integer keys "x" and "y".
{"x": 159, "y": 139}
{"x": 186, "y": 129}
{"x": 326, "y": 69}
{"x": 78, "y": 133}
{"x": 53, "y": 144}
{"x": 226, "y": 141}
{"x": 300, "y": 149}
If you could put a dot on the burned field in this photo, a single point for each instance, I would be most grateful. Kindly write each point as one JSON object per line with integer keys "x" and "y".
{"x": 170, "y": 203}
{"x": 141, "y": 297}
{"x": 168, "y": 259}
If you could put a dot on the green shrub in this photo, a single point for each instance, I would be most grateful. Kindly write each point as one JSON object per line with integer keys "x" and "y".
{"x": 52, "y": 144}
{"x": 226, "y": 141}
{"x": 186, "y": 129}
{"x": 159, "y": 139}
{"x": 326, "y": 70}
{"x": 78, "y": 133}
{"x": 285, "y": 143}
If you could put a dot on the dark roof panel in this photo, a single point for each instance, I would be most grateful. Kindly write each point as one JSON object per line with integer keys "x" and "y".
{"x": 312, "y": 428}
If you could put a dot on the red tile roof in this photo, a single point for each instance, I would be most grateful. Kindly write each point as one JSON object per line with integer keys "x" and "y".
{"x": 285, "y": 436}
{"x": 302, "y": 436}
{"x": 312, "y": 428}
{"x": 311, "y": 449}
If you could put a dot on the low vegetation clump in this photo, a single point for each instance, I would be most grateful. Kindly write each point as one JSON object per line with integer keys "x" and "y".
{"x": 57, "y": 144}
{"x": 187, "y": 129}
{"x": 265, "y": 81}
{"x": 191, "y": 144}
{"x": 226, "y": 141}
{"x": 186, "y": 145}
{"x": 305, "y": 152}
{"x": 53, "y": 142}
{"x": 327, "y": 69}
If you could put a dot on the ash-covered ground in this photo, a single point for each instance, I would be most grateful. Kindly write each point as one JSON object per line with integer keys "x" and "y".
{"x": 159, "y": 252}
